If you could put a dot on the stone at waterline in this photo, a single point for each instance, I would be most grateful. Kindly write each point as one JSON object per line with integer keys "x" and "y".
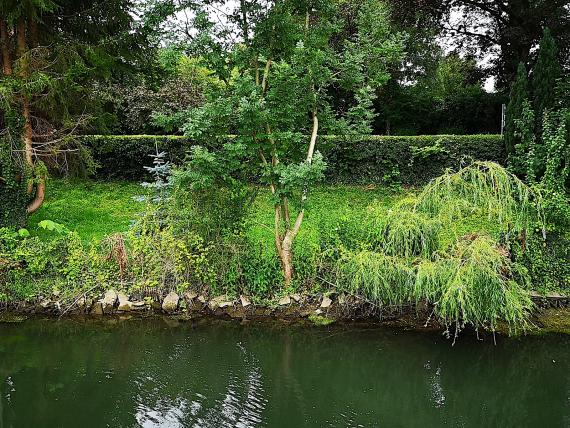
{"x": 124, "y": 304}
{"x": 284, "y": 301}
{"x": 244, "y": 301}
{"x": 109, "y": 301}
{"x": 138, "y": 306}
{"x": 219, "y": 302}
{"x": 190, "y": 295}
{"x": 326, "y": 302}
{"x": 202, "y": 299}
{"x": 170, "y": 302}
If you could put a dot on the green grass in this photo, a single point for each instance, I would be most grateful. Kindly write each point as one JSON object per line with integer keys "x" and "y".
{"x": 95, "y": 209}
{"x": 92, "y": 209}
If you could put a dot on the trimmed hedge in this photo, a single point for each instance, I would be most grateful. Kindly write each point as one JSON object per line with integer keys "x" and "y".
{"x": 350, "y": 159}
{"x": 407, "y": 160}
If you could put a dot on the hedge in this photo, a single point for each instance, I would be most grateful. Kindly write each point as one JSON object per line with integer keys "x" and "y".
{"x": 350, "y": 159}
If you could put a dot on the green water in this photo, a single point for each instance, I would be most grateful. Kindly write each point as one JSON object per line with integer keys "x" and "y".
{"x": 160, "y": 373}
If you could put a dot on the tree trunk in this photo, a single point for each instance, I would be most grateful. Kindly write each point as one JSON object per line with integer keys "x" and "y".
{"x": 5, "y": 46}
{"x": 27, "y": 133}
{"x": 286, "y": 257}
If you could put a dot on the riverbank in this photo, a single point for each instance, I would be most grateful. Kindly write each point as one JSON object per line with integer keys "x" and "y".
{"x": 390, "y": 247}
{"x": 551, "y": 314}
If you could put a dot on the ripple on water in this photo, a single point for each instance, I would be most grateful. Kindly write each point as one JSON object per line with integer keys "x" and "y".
{"x": 241, "y": 404}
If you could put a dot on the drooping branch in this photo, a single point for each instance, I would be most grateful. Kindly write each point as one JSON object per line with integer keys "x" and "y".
{"x": 497, "y": 13}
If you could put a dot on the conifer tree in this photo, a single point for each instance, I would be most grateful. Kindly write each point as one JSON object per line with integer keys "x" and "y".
{"x": 544, "y": 77}
{"x": 519, "y": 94}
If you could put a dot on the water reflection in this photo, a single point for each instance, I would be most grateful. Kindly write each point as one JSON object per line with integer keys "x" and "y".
{"x": 150, "y": 374}
{"x": 240, "y": 405}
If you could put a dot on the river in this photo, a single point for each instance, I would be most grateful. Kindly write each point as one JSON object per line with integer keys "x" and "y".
{"x": 164, "y": 373}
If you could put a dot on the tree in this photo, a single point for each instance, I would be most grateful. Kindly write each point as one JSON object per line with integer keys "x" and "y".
{"x": 509, "y": 28}
{"x": 279, "y": 77}
{"x": 446, "y": 98}
{"x": 519, "y": 94}
{"x": 545, "y": 76}
{"x": 52, "y": 51}
{"x": 154, "y": 103}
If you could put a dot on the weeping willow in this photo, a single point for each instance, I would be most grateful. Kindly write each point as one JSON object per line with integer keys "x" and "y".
{"x": 474, "y": 280}
{"x": 483, "y": 187}
{"x": 383, "y": 279}
{"x": 409, "y": 234}
{"x": 476, "y": 283}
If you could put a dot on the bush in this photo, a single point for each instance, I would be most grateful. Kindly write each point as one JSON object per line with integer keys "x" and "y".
{"x": 350, "y": 159}
{"x": 408, "y": 160}
{"x": 122, "y": 156}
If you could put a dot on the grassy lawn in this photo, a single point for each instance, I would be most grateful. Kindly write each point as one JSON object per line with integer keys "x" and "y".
{"x": 92, "y": 209}
{"x": 95, "y": 209}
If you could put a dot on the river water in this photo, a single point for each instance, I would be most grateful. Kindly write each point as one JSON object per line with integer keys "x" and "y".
{"x": 162, "y": 373}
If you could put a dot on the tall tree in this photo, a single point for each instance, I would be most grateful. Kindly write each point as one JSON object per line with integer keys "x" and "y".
{"x": 545, "y": 75}
{"x": 52, "y": 50}
{"x": 519, "y": 95}
{"x": 279, "y": 78}
{"x": 508, "y": 28}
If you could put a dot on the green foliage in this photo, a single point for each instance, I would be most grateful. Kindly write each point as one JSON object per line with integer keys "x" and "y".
{"x": 210, "y": 194}
{"x": 386, "y": 280}
{"x": 121, "y": 156}
{"x": 320, "y": 321}
{"x": 157, "y": 257}
{"x": 480, "y": 286}
{"x": 350, "y": 159}
{"x": 545, "y": 74}
{"x": 31, "y": 267}
{"x": 13, "y": 188}
{"x": 52, "y": 226}
{"x": 485, "y": 187}
{"x": 474, "y": 283}
{"x": 472, "y": 280}
{"x": 444, "y": 95}
{"x": 519, "y": 95}
{"x": 406, "y": 234}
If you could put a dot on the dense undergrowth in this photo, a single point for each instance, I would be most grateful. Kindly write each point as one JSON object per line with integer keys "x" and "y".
{"x": 470, "y": 243}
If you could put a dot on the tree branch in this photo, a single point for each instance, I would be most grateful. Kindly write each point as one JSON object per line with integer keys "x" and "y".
{"x": 472, "y": 34}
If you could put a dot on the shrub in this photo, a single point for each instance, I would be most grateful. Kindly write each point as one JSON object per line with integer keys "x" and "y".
{"x": 475, "y": 283}
{"x": 485, "y": 187}
{"x": 479, "y": 286}
{"x": 350, "y": 159}
{"x": 409, "y": 160}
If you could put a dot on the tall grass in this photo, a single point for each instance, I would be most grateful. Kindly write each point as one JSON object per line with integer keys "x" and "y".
{"x": 383, "y": 279}
{"x": 407, "y": 234}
